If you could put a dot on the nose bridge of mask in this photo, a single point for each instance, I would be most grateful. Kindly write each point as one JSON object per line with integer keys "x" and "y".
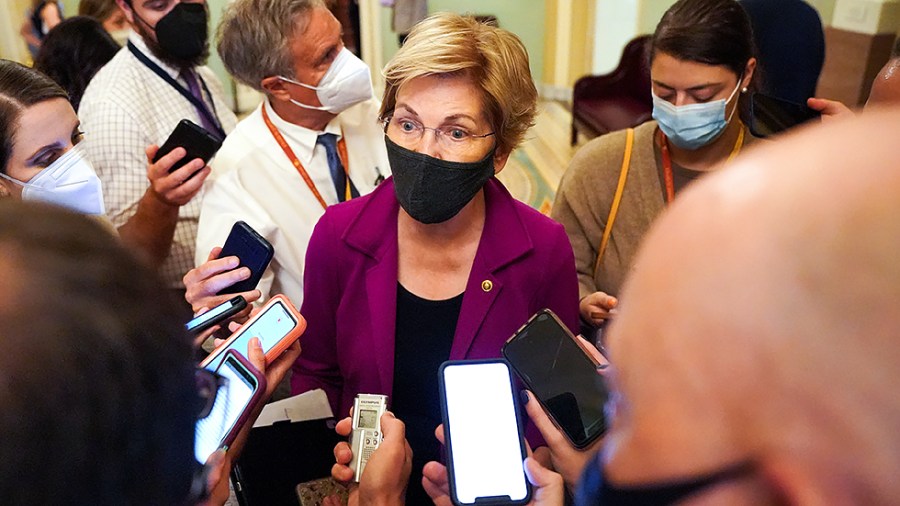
{"x": 59, "y": 170}
{"x": 339, "y": 60}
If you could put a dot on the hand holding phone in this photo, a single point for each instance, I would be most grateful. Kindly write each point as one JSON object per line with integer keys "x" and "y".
{"x": 772, "y": 115}
{"x": 198, "y": 142}
{"x": 239, "y": 389}
{"x": 562, "y": 375}
{"x": 484, "y": 434}
{"x": 277, "y": 325}
{"x": 215, "y": 316}
{"x": 253, "y": 251}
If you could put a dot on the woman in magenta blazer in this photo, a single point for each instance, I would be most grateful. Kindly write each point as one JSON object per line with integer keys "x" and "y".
{"x": 439, "y": 262}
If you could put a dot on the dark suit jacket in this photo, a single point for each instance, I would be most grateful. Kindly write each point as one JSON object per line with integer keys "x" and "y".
{"x": 350, "y": 290}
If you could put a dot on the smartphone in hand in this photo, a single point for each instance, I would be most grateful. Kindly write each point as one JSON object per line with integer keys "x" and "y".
{"x": 253, "y": 251}
{"x": 561, "y": 375}
{"x": 240, "y": 387}
{"x": 198, "y": 142}
{"x": 772, "y": 115}
{"x": 277, "y": 325}
{"x": 215, "y": 315}
{"x": 484, "y": 433}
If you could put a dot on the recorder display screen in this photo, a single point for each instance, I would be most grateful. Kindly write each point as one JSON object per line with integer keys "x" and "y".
{"x": 367, "y": 419}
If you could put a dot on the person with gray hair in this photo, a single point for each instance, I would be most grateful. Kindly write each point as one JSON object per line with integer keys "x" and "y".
{"x": 313, "y": 141}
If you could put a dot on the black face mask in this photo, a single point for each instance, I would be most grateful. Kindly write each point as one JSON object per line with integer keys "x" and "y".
{"x": 183, "y": 31}
{"x": 432, "y": 190}
{"x": 595, "y": 488}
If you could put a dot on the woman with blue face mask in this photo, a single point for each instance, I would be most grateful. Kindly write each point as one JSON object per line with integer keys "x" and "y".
{"x": 701, "y": 65}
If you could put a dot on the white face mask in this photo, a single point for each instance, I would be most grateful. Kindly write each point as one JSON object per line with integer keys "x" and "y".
{"x": 69, "y": 182}
{"x": 346, "y": 83}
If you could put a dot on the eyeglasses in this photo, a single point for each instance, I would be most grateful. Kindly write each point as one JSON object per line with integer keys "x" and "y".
{"x": 453, "y": 138}
{"x": 208, "y": 385}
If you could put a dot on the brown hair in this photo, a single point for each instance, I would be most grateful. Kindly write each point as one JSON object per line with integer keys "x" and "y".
{"x": 494, "y": 58}
{"x": 100, "y": 10}
{"x": 96, "y": 378}
{"x": 20, "y": 87}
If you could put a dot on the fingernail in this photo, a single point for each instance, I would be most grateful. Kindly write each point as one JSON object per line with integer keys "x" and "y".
{"x": 524, "y": 395}
{"x": 245, "y": 272}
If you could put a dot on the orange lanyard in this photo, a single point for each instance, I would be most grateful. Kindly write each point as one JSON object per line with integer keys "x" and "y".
{"x": 669, "y": 177}
{"x": 342, "y": 153}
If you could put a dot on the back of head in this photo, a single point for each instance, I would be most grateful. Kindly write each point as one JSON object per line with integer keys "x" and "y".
{"x": 254, "y": 37}
{"x": 96, "y": 378}
{"x": 73, "y": 52}
{"x": 766, "y": 300}
{"x": 97, "y": 9}
{"x": 495, "y": 59}
{"x": 20, "y": 87}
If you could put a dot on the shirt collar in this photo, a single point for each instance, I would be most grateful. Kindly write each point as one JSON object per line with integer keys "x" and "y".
{"x": 139, "y": 43}
{"x": 301, "y": 137}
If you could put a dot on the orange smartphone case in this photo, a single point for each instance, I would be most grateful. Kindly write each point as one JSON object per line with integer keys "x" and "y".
{"x": 275, "y": 351}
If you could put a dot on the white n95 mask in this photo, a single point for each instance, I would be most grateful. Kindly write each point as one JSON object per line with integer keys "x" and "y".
{"x": 70, "y": 182}
{"x": 346, "y": 83}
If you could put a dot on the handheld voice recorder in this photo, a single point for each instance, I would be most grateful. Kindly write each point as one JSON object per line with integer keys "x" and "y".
{"x": 366, "y": 435}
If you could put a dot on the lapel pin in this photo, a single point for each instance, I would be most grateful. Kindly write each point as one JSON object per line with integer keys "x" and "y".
{"x": 487, "y": 285}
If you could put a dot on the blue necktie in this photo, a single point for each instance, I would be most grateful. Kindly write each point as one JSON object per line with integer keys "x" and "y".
{"x": 338, "y": 176}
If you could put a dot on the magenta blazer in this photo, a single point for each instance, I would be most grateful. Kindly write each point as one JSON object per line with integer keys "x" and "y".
{"x": 523, "y": 264}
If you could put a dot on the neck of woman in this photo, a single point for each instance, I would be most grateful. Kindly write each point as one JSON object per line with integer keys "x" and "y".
{"x": 710, "y": 156}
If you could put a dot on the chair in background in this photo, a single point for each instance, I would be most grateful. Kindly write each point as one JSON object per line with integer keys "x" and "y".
{"x": 614, "y": 101}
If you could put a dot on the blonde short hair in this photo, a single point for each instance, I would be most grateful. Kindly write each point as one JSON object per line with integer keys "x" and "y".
{"x": 254, "y": 37}
{"x": 494, "y": 58}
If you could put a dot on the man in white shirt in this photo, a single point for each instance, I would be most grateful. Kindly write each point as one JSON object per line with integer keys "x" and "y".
{"x": 135, "y": 101}
{"x": 313, "y": 142}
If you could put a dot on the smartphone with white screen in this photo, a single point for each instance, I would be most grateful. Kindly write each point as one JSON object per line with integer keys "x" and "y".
{"x": 240, "y": 392}
{"x": 484, "y": 433}
{"x": 277, "y": 325}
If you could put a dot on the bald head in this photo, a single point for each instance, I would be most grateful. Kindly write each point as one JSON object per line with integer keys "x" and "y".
{"x": 762, "y": 322}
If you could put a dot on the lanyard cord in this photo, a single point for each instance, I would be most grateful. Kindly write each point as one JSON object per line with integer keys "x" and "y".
{"x": 342, "y": 153}
{"x": 211, "y": 116}
{"x": 668, "y": 175}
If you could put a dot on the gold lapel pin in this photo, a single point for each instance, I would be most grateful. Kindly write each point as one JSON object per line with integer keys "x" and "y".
{"x": 487, "y": 285}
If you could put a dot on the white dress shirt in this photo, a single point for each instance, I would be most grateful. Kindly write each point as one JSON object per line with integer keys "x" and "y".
{"x": 127, "y": 107}
{"x": 253, "y": 180}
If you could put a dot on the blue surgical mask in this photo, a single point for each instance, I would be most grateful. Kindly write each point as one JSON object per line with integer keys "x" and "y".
{"x": 693, "y": 126}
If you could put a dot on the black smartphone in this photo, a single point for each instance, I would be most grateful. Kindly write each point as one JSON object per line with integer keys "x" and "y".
{"x": 483, "y": 432}
{"x": 198, "y": 142}
{"x": 562, "y": 376}
{"x": 772, "y": 115}
{"x": 253, "y": 251}
{"x": 215, "y": 315}
{"x": 240, "y": 387}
